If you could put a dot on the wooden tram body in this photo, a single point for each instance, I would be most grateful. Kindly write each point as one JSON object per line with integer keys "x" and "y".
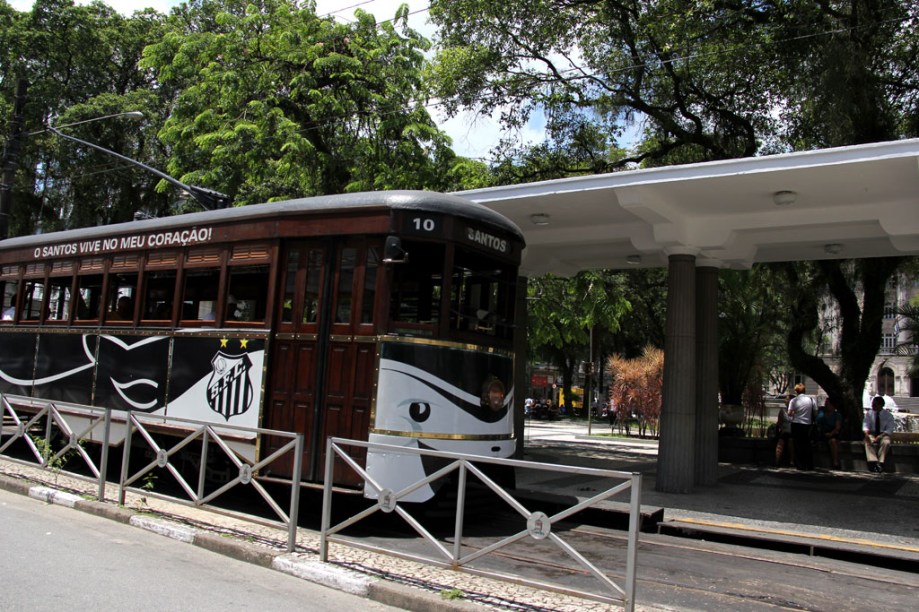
{"x": 384, "y": 316}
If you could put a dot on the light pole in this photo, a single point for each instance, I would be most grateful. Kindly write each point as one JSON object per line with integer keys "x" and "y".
{"x": 207, "y": 198}
{"x": 135, "y": 115}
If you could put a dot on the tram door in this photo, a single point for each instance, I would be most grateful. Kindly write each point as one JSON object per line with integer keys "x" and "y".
{"x": 321, "y": 372}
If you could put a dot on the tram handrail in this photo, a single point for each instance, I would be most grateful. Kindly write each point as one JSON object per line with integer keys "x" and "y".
{"x": 56, "y": 413}
{"x": 538, "y": 524}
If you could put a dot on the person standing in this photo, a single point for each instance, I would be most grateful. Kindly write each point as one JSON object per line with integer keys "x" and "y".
{"x": 878, "y": 427}
{"x": 801, "y": 411}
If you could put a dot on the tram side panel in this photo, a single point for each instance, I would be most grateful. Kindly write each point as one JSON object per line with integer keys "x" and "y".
{"x": 131, "y": 372}
{"x": 438, "y": 398}
{"x": 218, "y": 380}
{"x": 17, "y": 362}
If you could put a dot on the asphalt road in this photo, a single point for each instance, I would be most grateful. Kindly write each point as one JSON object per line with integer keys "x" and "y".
{"x": 54, "y": 558}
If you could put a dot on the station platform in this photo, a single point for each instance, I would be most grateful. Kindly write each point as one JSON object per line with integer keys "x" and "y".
{"x": 822, "y": 512}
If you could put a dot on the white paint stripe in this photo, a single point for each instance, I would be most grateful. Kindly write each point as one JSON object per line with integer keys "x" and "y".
{"x": 170, "y": 530}
{"x": 53, "y": 496}
{"x": 323, "y": 573}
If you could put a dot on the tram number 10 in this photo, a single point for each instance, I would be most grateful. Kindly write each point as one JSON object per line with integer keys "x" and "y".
{"x": 424, "y": 224}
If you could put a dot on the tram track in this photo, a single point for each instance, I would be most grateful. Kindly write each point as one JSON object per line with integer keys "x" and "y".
{"x": 695, "y": 572}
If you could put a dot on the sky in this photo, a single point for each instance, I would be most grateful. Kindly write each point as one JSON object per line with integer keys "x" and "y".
{"x": 472, "y": 136}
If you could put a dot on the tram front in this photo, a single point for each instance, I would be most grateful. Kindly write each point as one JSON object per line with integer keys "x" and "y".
{"x": 445, "y": 366}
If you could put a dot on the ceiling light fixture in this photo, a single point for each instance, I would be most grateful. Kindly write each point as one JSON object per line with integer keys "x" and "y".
{"x": 784, "y": 198}
{"x": 833, "y": 248}
{"x": 540, "y": 219}
{"x": 633, "y": 260}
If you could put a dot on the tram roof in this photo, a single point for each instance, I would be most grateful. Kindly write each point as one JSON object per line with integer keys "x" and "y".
{"x": 849, "y": 202}
{"x": 422, "y": 201}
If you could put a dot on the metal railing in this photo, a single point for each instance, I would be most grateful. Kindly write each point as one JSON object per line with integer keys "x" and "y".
{"x": 538, "y": 525}
{"x": 39, "y": 423}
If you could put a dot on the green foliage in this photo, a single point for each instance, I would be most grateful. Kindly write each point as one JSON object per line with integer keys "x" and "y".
{"x": 274, "y": 102}
{"x": 261, "y": 101}
{"x": 452, "y": 594}
{"x": 700, "y": 80}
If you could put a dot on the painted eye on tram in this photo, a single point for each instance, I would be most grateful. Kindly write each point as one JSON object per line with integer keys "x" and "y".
{"x": 420, "y": 411}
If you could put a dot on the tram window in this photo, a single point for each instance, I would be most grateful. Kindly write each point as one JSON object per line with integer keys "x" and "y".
{"x": 345, "y": 298}
{"x": 32, "y": 300}
{"x": 371, "y": 267}
{"x": 8, "y": 305}
{"x": 59, "y": 299}
{"x": 121, "y": 295}
{"x": 290, "y": 285}
{"x": 246, "y": 301}
{"x": 89, "y": 297}
{"x": 159, "y": 291}
{"x": 481, "y": 296}
{"x": 199, "y": 298}
{"x": 313, "y": 283}
{"x": 417, "y": 285}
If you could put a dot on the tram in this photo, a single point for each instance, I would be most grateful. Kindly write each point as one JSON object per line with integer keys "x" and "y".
{"x": 386, "y": 317}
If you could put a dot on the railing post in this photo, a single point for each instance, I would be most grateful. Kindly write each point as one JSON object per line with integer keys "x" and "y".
{"x": 326, "y": 502}
{"x": 202, "y": 469}
{"x": 460, "y": 510}
{"x": 103, "y": 461}
{"x": 632, "y": 553}
{"x": 126, "y": 456}
{"x": 295, "y": 495}
{"x": 46, "y": 449}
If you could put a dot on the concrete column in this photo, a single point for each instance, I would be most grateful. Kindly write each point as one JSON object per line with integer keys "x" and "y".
{"x": 676, "y": 456}
{"x": 706, "y": 375}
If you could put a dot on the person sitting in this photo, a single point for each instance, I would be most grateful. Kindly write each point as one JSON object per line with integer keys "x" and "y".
{"x": 9, "y": 314}
{"x": 124, "y": 309}
{"x": 878, "y": 427}
{"x": 782, "y": 436}
{"x": 829, "y": 426}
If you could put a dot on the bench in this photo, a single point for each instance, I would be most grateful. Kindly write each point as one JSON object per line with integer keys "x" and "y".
{"x": 903, "y": 457}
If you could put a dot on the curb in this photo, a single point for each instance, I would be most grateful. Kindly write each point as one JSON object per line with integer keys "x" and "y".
{"x": 292, "y": 564}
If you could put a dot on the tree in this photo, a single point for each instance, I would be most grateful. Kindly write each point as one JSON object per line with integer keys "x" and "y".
{"x": 750, "y": 323}
{"x": 562, "y": 312}
{"x": 274, "y": 102}
{"x": 860, "y": 325}
{"x": 705, "y": 80}
{"x": 81, "y": 62}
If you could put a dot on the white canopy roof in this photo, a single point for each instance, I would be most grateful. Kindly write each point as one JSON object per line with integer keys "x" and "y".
{"x": 850, "y": 202}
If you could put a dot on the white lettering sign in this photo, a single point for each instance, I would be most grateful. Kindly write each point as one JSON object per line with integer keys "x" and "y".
{"x": 127, "y": 243}
{"x": 487, "y": 240}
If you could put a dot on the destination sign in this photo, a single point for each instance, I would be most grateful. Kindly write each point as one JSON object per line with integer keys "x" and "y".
{"x": 100, "y": 246}
{"x": 487, "y": 240}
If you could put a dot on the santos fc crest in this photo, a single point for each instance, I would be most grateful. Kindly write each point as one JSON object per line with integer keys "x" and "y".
{"x": 229, "y": 391}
